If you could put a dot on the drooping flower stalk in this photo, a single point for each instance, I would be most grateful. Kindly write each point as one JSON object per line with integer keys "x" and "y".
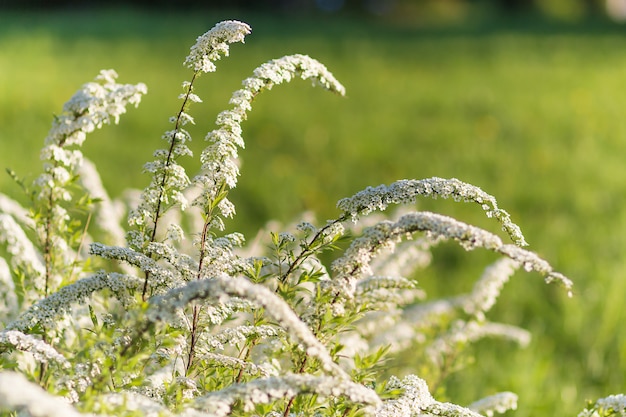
{"x": 407, "y": 191}
{"x": 18, "y": 393}
{"x": 168, "y": 177}
{"x": 266, "y": 390}
{"x": 219, "y": 159}
{"x": 357, "y": 258}
{"x": 165, "y": 307}
{"x": 94, "y": 105}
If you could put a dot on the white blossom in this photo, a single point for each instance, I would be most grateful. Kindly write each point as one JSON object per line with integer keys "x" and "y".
{"x": 412, "y": 402}
{"x": 218, "y": 359}
{"x": 161, "y": 274}
{"x": 608, "y": 406}
{"x": 40, "y": 350}
{"x": 164, "y": 307}
{"x": 19, "y": 394}
{"x": 107, "y": 217}
{"x": 417, "y": 401}
{"x": 357, "y": 258}
{"x": 468, "y": 332}
{"x": 217, "y": 313}
{"x": 24, "y": 255}
{"x": 46, "y": 310}
{"x": 95, "y": 104}
{"x": 133, "y": 401}
{"x": 214, "y": 43}
{"x": 220, "y": 158}
{"x": 267, "y": 390}
{"x": 235, "y": 335}
{"x": 406, "y": 192}
{"x": 406, "y": 258}
{"x": 380, "y": 292}
{"x": 488, "y": 287}
{"x": 8, "y": 297}
{"x": 498, "y": 403}
{"x": 14, "y": 209}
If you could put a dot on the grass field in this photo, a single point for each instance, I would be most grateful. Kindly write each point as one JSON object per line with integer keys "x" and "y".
{"x": 533, "y": 114}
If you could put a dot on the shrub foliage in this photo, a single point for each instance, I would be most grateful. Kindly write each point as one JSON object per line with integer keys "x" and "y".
{"x": 148, "y": 305}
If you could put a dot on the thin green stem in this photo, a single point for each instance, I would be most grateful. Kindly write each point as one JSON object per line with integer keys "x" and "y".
{"x": 168, "y": 161}
{"x": 196, "y": 309}
{"x": 292, "y": 399}
{"x": 306, "y": 251}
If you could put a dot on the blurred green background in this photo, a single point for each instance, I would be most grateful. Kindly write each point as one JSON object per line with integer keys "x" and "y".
{"x": 530, "y": 107}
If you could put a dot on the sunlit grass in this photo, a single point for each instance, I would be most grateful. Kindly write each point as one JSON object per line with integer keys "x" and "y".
{"x": 534, "y": 117}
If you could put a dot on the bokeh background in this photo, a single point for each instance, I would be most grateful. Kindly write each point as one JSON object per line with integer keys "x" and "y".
{"x": 525, "y": 99}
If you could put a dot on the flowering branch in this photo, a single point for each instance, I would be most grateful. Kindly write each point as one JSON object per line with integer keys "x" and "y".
{"x": 165, "y": 306}
{"x": 406, "y": 192}
{"x": 266, "y": 390}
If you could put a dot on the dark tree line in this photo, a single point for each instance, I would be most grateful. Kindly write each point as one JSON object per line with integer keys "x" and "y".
{"x": 507, "y": 6}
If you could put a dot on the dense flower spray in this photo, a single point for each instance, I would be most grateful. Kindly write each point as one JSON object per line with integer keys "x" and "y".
{"x": 187, "y": 320}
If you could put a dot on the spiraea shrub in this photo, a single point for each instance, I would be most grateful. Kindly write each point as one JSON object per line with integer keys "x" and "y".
{"x": 151, "y": 307}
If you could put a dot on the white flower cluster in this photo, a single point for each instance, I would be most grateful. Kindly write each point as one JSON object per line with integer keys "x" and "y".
{"x": 47, "y": 310}
{"x": 386, "y": 292}
{"x": 108, "y": 215}
{"x": 613, "y": 405}
{"x": 463, "y": 333}
{"x": 17, "y": 393}
{"x": 476, "y": 303}
{"x": 184, "y": 267}
{"x": 487, "y": 288}
{"x": 24, "y": 255}
{"x": 405, "y": 326}
{"x": 214, "y": 43}
{"x": 8, "y": 297}
{"x": 13, "y": 208}
{"x": 40, "y": 350}
{"x": 95, "y": 104}
{"x": 217, "y": 313}
{"x": 235, "y": 335}
{"x": 406, "y": 192}
{"x": 266, "y": 390}
{"x": 499, "y": 403}
{"x": 131, "y": 402}
{"x": 405, "y": 259}
{"x": 417, "y": 401}
{"x": 165, "y": 190}
{"x": 234, "y": 363}
{"x": 415, "y": 398}
{"x": 161, "y": 274}
{"x": 356, "y": 260}
{"x": 219, "y": 159}
{"x": 479, "y": 301}
{"x": 218, "y": 256}
{"x": 164, "y": 308}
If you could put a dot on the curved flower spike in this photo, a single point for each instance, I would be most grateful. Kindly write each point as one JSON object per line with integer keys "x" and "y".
{"x": 417, "y": 401}
{"x": 41, "y": 351}
{"x": 219, "y": 159}
{"x": 164, "y": 307}
{"x": 266, "y": 390}
{"x": 356, "y": 260}
{"x": 214, "y": 43}
{"x": 19, "y": 394}
{"x": 407, "y": 191}
{"x": 498, "y": 403}
{"x": 46, "y": 310}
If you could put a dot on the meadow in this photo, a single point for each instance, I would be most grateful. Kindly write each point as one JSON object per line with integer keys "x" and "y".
{"x": 533, "y": 114}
